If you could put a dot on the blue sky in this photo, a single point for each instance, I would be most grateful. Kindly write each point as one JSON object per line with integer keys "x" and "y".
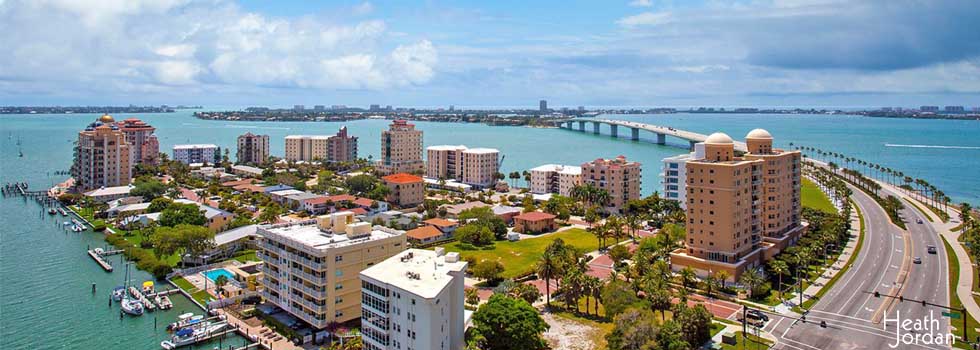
{"x": 491, "y": 53}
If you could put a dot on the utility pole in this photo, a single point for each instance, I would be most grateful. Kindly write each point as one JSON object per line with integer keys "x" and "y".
{"x": 744, "y": 320}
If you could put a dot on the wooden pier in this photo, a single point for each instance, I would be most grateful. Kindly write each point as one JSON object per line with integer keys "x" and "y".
{"x": 100, "y": 260}
{"x": 147, "y": 304}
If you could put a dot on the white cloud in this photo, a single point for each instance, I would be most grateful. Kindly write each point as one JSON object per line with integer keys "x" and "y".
{"x": 646, "y": 19}
{"x": 641, "y": 3}
{"x": 363, "y": 8}
{"x": 113, "y": 45}
{"x": 705, "y": 68}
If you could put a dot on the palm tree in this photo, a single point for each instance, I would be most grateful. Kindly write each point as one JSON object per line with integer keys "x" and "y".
{"x": 688, "y": 277}
{"x": 548, "y": 268}
{"x": 779, "y": 268}
{"x": 751, "y": 279}
{"x": 722, "y": 277}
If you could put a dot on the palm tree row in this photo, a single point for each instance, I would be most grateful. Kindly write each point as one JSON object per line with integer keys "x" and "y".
{"x": 567, "y": 267}
{"x": 919, "y": 188}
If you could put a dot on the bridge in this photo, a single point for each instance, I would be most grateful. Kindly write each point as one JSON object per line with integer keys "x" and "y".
{"x": 661, "y": 131}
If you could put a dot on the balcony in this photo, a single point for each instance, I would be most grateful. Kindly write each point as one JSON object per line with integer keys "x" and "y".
{"x": 312, "y": 306}
{"x": 307, "y": 276}
{"x": 319, "y": 294}
{"x": 306, "y": 261}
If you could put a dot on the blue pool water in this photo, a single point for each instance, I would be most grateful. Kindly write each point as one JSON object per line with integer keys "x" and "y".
{"x": 214, "y": 274}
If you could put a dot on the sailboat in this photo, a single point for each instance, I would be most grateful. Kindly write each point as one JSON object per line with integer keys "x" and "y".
{"x": 129, "y": 305}
{"x": 118, "y": 293}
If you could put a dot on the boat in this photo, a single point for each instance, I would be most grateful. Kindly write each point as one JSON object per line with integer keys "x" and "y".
{"x": 63, "y": 212}
{"x": 184, "y": 320}
{"x": 131, "y": 306}
{"x": 164, "y": 302}
{"x": 190, "y": 335}
{"x": 147, "y": 287}
{"x": 52, "y": 211}
{"x": 118, "y": 293}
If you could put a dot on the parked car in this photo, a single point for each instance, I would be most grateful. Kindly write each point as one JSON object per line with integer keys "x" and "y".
{"x": 918, "y": 221}
{"x": 758, "y": 314}
{"x": 752, "y": 320}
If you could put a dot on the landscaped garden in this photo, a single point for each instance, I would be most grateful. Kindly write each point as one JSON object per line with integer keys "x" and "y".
{"x": 813, "y": 197}
{"x": 520, "y": 257}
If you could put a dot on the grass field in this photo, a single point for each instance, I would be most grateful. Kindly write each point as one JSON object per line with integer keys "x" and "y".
{"x": 520, "y": 257}
{"x": 954, "y": 299}
{"x": 812, "y": 197}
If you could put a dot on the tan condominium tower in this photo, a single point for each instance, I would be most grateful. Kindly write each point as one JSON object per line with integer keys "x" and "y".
{"x": 472, "y": 166}
{"x": 401, "y": 149}
{"x": 337, "y": 148}
{"x": 144, "y": 146}
{"x": 741, "y": 210}
{"x": 618, "y": 177}
{"x": 102, "y": 156}
{"x": 253, "y": 149}
{"x": 311, "y": 268}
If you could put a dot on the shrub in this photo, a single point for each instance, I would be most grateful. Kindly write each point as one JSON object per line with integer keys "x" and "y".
{"x": 98, "y": 225}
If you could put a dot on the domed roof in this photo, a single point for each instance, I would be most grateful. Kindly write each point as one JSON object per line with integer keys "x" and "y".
{"x": 718, "y": 138}
{"x": 105, "y": 118}
{"x": 758, "y": 134}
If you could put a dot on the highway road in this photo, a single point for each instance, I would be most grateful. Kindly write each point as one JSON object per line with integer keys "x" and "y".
{"x": 849, "y": 307}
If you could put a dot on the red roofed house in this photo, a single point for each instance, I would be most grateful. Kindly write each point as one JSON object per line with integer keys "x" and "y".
{"x": 446, "y": 226}
{"x": 534, "y": 222}
{"x": 405, "y": 189}
{"x": 426, "y": 234}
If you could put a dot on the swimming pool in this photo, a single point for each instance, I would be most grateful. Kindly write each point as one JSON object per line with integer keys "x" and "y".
{"x": 214, "y": 274}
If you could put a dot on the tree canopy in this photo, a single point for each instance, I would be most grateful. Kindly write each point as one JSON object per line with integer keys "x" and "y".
{"x": 182, "y": 213}
{"x": 507, "y": 323}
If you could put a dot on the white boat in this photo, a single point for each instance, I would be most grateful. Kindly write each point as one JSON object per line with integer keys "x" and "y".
{"x": 118, "y": 293}
{"x": 191, "y": 335}
{"x": 131, "y": 306}
{"x": 163, "y": 302}
{"x": 184, "y": 320}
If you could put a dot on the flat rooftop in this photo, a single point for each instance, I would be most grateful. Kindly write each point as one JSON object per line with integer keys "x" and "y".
{"x": 432, "y": 271}
{"x": 308, "y": 234}
{"x": 196, "y": 146}
{"x": 559, "y": 168}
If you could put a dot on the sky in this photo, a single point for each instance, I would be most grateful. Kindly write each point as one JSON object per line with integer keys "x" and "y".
{"x": 642, "y": 53}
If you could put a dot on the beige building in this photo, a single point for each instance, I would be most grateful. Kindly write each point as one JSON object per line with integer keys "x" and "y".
{"x": 471, "y": 166}
{"x": 554, "y": 178}
{"x": 311, "y": 268}
{"x": 102, "y": 156}
{"x": 143, "y": 144}
{"x": 401, "y": 149}
{"x": 618, "y": 177}
{"x": 405, "y": 189}
{"x": 253, "y": 149}
{"x": 741, "y": 210}
{"x": 337, "y": 148}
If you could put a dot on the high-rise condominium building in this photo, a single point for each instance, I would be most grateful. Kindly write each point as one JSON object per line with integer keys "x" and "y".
{"x": 414, "y": 300}
{"x": 253, "y": 149}
{"x": 741, "y": 211}
{"x": 554, "y": 178}
{"x": 102, "y": 156}
{"x": 543, "y": 106}
{"x": 311, "y": 268}
{"x": 337, "y": 148}
{"x": 675, "y": 174}
{"x": 401, "y": 149}
{"x": 142, "y": 142}
{"x": 472, "y": 166}
{"x": 197, "y": 153}
{"x": 618, "y": 177}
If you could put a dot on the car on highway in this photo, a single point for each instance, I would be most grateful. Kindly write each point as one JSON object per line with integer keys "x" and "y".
{"x": 918, "y": 221}
{"x": 931, "y": 249}
{"x": 917, "y": 260}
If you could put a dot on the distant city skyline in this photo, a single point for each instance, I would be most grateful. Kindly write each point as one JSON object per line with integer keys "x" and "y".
{"x": 780, "y": 53}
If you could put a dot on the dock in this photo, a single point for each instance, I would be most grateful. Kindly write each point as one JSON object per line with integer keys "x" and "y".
{"x": 99, "y": 258}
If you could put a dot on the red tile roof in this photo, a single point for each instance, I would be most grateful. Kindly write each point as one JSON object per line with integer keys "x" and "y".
{"x": 440, "y": 222}
{"x": 402, "y": 178}
{"x": 535, "y": 216}
{"x": 342, "y": 197}
{"x": 424, "y": 232}
{"x": 358, "y": 211}
{"x": 364, "y": 202}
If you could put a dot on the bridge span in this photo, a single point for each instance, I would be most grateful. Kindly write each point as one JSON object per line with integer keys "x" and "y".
{"x": 661, "y": 131}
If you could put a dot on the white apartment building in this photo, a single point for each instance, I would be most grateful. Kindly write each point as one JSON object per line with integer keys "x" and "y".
{"x": 311, "y": 268}
{"x": 197, "y": 153}
{"x": 414, "y": 301}
{"x": 471, "y": 166}
{"x": 555, "y": 178}
{"x": 674, "y": 176}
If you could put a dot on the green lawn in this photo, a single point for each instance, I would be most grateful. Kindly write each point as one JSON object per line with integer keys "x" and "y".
{"x": 813, "y": 197}
{"x": 753, "y": 342}
{"x": 245, "y": 256}
{"x": 519, "y": 257}
{"x": 201, "y": 296}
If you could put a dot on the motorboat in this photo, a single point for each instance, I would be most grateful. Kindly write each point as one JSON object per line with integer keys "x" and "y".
{"x": 52, "y": 211}
{"x": 63, "y": 212}
{"x": 190, "y": 335}
{"x": 184, "y": 320}
{"x": 118, "y": 293}
{"x": 163, "y": 301}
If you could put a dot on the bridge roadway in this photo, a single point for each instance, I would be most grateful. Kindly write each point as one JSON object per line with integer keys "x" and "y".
{"x": 661, "y": 131}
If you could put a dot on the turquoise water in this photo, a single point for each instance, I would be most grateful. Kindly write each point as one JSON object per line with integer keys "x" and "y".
{"x": 214, "y": 274}
{"x": 45, "y": 275}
